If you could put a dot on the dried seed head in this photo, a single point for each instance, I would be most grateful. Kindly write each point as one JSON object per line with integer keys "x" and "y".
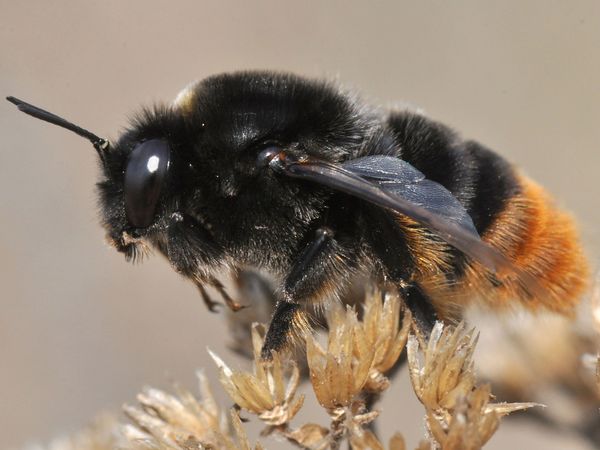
{"x": 339, "y": 373}
{"x": 180, "y": 422}
{"x": 269, "y": 392}
{"x": 386, "y": 325}
{"x": 443, "y": 371}
{"x": 470, "y": 426}
{"x": 459, "y": 413}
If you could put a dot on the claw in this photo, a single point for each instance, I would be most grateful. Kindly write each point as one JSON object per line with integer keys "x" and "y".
{"x": 235, "y": 306}
{"x": 231, "y": 303}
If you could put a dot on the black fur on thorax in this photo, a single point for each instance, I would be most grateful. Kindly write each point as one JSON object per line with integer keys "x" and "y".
{"x": 214, "y": 184}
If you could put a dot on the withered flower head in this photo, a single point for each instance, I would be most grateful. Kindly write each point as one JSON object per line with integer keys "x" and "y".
{"x": 386, "y": 326}
{"x": 182, "y": 422}
{"x": 269, "y": 392}
{"x": 339, "y": 373}
{"x": 460, "y": 415}
{"x": 443, "y": 371}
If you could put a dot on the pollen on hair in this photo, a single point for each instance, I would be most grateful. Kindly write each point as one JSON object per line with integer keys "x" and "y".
{"x": 185, "y": 98}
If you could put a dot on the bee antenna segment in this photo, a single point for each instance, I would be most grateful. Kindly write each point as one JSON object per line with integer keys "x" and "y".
{"x": 100, "y": 144}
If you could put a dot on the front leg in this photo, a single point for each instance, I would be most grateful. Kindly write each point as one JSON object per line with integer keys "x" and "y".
{"x": 191, "y": 248}
{"x": 201, "y": 280}
{"x": 309, "y": 276}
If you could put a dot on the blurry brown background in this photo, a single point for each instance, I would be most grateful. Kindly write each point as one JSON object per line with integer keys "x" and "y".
{"x": 80, "y": 330}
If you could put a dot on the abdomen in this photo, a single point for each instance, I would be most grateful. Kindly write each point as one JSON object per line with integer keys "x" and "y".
{"x": 510, "y": 212}
{"x": 542, "y": 242}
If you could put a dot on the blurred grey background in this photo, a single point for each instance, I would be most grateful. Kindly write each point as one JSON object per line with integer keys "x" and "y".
{"x": 80, "y": 330}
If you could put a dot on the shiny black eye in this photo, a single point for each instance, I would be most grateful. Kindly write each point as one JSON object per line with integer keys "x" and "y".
{"x": 144, "y": 177}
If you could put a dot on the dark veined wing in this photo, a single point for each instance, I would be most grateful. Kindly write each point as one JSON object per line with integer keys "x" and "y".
{"x": 397, "y": 177}
{"x": 396, "y": 185}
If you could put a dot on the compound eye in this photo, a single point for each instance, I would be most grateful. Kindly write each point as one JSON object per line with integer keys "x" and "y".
{"x": 144, "y": 177}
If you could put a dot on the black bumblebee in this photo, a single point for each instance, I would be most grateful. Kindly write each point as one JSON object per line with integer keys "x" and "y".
{"x": 301, "y": 179}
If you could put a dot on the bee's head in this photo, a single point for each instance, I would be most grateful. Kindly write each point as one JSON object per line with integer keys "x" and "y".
{"x": 143, "y": 171}
{"x": 137, "y": 182}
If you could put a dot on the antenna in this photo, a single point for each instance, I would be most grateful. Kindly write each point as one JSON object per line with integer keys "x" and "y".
{"x": 100, "y": 144}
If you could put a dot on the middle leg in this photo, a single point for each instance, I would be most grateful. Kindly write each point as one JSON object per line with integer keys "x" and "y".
{"x": 320, "y": 269}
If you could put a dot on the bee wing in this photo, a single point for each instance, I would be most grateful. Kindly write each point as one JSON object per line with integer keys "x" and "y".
{"x": 396, "y": 185}
{"x": 402, "y": 179}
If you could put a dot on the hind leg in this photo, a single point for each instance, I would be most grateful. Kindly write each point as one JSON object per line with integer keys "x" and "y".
{"x": 421, "y": 308}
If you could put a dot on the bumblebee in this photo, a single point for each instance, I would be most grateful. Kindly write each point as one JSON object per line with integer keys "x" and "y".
{"x": 302, "y": 179}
